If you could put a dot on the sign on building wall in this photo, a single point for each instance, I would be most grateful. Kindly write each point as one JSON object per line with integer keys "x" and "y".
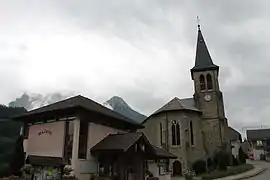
{"x": 46, "y": 139}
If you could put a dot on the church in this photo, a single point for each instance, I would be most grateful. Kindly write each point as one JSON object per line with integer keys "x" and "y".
{"x": 192, "y": 128}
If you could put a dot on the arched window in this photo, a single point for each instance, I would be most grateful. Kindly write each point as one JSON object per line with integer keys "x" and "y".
{"x": 209, "y": 82}
{"x": 160, "y": 131}
{"x": 191, "y": 133}
{"x": 173, "y": 134}
{"x": 176, "y": 135}
{"x": 202, "y": 82}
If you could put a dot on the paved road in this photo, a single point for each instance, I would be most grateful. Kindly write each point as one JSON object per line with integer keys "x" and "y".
{"x": 263, "y": 176}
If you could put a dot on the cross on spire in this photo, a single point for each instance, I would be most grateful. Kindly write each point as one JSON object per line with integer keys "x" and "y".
{"x": 198, "y": 20}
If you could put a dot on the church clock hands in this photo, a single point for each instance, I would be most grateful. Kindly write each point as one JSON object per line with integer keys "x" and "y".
{"x": 207, "y": 97}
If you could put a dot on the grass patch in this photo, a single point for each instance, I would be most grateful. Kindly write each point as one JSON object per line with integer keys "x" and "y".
{"x": 233, "y": 170}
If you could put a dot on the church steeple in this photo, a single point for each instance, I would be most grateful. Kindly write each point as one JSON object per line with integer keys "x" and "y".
{"x": 203, "y": 60}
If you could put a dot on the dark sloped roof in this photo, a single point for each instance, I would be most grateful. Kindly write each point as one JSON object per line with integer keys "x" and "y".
{"x": 176, "y": 104}
{"x": 162, "y": 153}
{"x": 45, "y": 160}
{"x": 234, "y": 135}
{"x": 258, "y": 134}
{"x": 77, "y": 101}
{"x": 179, "y": 104}
{"x": 122, "y": 142}
{"x": 117, "y": 142}
{"x": 203, "y": 60}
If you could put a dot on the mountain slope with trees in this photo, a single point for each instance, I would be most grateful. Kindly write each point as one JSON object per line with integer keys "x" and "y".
{"x": 11, "y": 143}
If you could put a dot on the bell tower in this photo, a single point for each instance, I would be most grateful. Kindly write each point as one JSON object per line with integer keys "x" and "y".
{"x": 207, "y": 95}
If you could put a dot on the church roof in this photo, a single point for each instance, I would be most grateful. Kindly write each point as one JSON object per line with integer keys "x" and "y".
{"x": 203, "y": 60}
{"x": 234, "y": 135}
{"x": 178, "y": 104}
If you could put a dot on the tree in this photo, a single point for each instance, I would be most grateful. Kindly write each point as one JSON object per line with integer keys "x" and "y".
{"x": 8, "y": 112}
{"x": 199, "y": 166}
{"x": 18, "y": 159}
{"x": 11, "y": 143}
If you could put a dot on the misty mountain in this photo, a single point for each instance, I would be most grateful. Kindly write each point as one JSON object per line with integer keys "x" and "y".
{"x": 33, "y": 101}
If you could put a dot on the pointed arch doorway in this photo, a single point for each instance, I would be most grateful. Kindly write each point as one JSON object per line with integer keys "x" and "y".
{"x": 177, "y": 168}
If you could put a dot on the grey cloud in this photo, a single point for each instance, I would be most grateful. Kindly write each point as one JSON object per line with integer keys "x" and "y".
{"x": 235, "y": 33}
{"x": 32, "y": 101}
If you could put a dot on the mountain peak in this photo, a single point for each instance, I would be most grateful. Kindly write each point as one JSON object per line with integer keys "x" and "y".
{"x": 116, "y": 100}
{"x": 118, "y": 104}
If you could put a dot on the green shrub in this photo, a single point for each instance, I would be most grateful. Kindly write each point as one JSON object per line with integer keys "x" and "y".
{"x": 235, "y": 161}
{"x": 199, "y": 167}
{"x": 242, "y": 156}
{"x": 223, "y": 160}
{"x": 210, "y": 163}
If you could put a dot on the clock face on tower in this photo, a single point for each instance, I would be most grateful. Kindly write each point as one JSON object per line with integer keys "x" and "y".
{"x": 207, "y": 97}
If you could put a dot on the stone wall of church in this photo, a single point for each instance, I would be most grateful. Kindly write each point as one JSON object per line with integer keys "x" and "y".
{"x": 187, "y": 153}
{"x": 152, "y": 129}
{"x": 212, "y": 135}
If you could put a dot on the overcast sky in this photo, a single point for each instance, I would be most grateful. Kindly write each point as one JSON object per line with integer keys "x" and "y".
{"x": 141, "y": 50}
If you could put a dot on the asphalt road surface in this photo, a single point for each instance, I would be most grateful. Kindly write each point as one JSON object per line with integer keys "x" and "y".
{"x": 264, "y": 175}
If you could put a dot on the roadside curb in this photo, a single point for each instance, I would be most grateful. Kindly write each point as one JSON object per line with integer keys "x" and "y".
{"x": 251, "y": 175}
{"x": 243, "y": 176}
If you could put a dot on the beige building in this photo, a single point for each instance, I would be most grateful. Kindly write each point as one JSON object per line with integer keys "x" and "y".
{"x": 89, "y": 138}
{"x": 192, "y": 128}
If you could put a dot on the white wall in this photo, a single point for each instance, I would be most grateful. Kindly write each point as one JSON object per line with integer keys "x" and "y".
{"x": 98, "y": 132}
{"x": 235, "y": 150}
{"x": 49, "y": 143}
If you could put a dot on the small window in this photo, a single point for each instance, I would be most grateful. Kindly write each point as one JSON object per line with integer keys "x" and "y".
{"x": 202, "y": 82}
{"x": 209, "y": 82}
{"x": 83, "y": 140}
{"x": 191, "y": 133}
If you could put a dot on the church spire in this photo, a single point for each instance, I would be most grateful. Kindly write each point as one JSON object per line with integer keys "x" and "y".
{"x": 203, "y": 60}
